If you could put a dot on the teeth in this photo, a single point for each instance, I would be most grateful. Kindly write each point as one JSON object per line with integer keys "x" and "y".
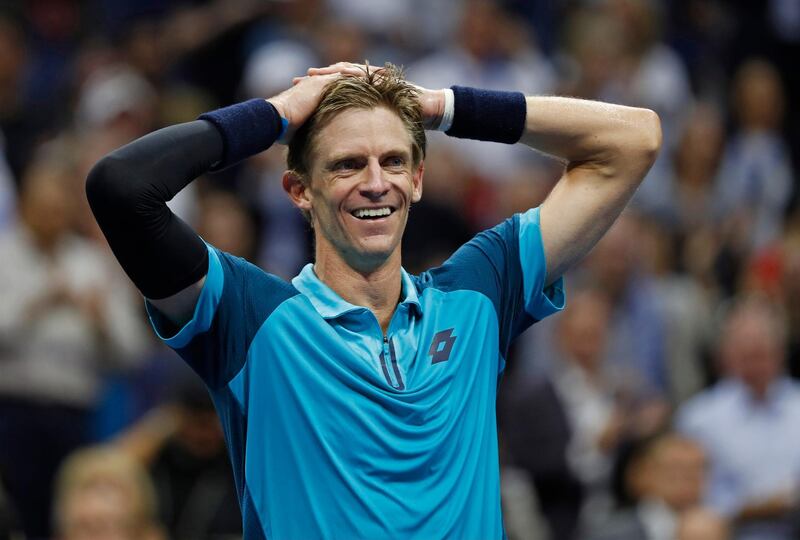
{"x": 372, "y": 212}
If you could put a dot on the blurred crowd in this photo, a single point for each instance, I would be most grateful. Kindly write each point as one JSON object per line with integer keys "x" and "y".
{"x": 662, "y": 404}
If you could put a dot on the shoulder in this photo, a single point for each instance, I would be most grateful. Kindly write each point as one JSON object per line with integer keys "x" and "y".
{"x": 484, "y": 264}
{"x": 790, "y": 391}
{"x": 707, "y": 408}
{"x": 251, "y": 285}
{"x": 625, "y": 524}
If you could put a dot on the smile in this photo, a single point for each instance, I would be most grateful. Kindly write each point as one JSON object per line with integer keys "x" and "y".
{"x": 372, "y": 213}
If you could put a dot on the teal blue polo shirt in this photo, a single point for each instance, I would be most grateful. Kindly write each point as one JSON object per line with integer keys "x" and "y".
{"x": 336, "y": 430}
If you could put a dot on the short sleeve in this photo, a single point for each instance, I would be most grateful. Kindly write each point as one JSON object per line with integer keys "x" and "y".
{"x": 540, "y": 301}
{"x": 501, "y": 264}
{"x": 236, "y": 299}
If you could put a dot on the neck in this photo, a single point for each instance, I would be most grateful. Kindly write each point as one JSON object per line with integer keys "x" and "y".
{"x": 45, "y": 243}
{"x": 377, "y": 289}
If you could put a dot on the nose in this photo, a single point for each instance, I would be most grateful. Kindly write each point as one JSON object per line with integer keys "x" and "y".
{"x": 375, "y": 185}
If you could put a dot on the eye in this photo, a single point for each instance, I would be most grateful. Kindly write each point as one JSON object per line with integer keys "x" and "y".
{"x": 345, "y": 164}
{"x": 394, "y": 161}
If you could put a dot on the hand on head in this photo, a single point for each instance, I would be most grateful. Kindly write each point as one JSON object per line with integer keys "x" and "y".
{"x": 298, "y": 103}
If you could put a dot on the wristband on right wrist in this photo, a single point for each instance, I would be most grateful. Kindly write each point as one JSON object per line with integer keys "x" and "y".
{"x": 488, "y": 115}
{"x": 247, "y": 128}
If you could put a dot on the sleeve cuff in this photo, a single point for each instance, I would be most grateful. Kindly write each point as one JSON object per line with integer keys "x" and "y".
{"x": 203, "y": 312}
{"x": 540, "y": 301}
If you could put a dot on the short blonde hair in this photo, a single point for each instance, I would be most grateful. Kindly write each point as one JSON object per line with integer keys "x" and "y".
{"x": 91, "y": 467}
{"x": 377, "y": 88}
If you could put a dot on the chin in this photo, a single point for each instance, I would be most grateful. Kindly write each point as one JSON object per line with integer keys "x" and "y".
{"x": 370, "y": 256}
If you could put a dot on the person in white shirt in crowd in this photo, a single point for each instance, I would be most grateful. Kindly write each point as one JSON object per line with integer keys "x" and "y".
{"x": 65, "y": 319}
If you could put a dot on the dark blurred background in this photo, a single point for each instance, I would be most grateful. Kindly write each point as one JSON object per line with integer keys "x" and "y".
{"x": 661, "y": 404}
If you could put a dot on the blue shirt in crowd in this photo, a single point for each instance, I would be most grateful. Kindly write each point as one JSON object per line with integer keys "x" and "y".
{"x": 752, "y": 447}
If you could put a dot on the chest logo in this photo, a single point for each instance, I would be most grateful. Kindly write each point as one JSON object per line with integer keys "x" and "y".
{"x": 441, "y": 346}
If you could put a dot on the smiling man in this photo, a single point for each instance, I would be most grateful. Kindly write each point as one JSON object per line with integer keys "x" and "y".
{"x": 359, "y": 401}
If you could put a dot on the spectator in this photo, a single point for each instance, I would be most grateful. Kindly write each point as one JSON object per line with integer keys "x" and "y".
{"x": 192, "y": 474}
{"x": 64, "y": 318}
{"x": 637, "y": 332}
{"x": 701, "y": 524}
{"x": 602, "y": 414}
{"x": 649, "y": 74}
{"x": 103, "y": 494}
{"x": 225, "y": 219}
{"x": 690, "y": 206}
{"x": 755, "y": 180}
{"x": 284, "y": 245}
{"x": 749, "y": 424}
{"x": 665, "y": 475}
{"x": 491, "y": 50}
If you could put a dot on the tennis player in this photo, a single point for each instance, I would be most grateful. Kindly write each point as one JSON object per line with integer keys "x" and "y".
{"x": 358, "y": 401}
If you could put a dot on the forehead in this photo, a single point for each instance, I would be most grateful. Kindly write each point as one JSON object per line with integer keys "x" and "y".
{"x": 361, "y": 132}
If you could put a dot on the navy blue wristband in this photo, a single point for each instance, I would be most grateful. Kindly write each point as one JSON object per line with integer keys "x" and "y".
{"x": 247, "y": 128}
{"x": 488, "y": 115}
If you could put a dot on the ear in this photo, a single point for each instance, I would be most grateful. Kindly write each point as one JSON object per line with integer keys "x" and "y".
{"x": 298, "y": 191}
{"x": 416, "y": 183}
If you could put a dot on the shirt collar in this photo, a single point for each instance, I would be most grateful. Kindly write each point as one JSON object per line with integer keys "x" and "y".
{"x": 657, "y": 519}
{"x": 330, "y": 305}
{"x": 776, "y": 395}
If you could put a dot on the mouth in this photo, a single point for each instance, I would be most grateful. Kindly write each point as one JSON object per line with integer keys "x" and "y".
{"x": 372, "y": 214}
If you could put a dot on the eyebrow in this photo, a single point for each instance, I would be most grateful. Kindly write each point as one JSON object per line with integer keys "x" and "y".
{"x": 406, "y": 154}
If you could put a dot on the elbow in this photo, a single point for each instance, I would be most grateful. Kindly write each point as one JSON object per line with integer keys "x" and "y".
{"x": 640, "y": 144}
{"x": 650, "y": 136}
{"x": 108, "y": 188}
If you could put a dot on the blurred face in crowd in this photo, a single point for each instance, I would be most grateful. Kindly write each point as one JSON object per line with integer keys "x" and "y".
{"x": 583, "y": 329}
{"x": 672, "y": 471}
{"x": 700, "y": 146}
{"x": 103, "y": 511}
{"x": 752, "y": 348}
{"x": 479, "y": 27}
{"x": 759, "y": 97}
{"x": 363, "y": 181}
{"x": 46, "y": 204}
{"x": 13, "y": 57}
{"x": 613, "y": 258}
{"x": 225, "y": 223}
{"x": 200, "y": 432}
{"x": 595, "y": 43}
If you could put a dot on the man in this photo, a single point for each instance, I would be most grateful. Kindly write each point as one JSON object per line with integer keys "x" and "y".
{"x": 104, "y": 494}
{"x": 358, "y": 400}
{"x": 749, "y": 426}
{"x": 63, "y": 325}
{"x": 665, "y": 475}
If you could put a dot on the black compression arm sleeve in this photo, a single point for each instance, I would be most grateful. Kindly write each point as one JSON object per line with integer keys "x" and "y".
{"x": 128, "y": 190}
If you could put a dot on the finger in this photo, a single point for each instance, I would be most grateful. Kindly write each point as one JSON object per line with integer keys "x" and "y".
{"x": 333, "y": 67}
{"x": 346, "y": 72}
{"x": 348, "y": 67}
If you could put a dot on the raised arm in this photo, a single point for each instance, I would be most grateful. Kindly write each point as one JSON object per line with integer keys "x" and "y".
{"x": 608, "y": 149}
{"x": 128, "y": 190}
